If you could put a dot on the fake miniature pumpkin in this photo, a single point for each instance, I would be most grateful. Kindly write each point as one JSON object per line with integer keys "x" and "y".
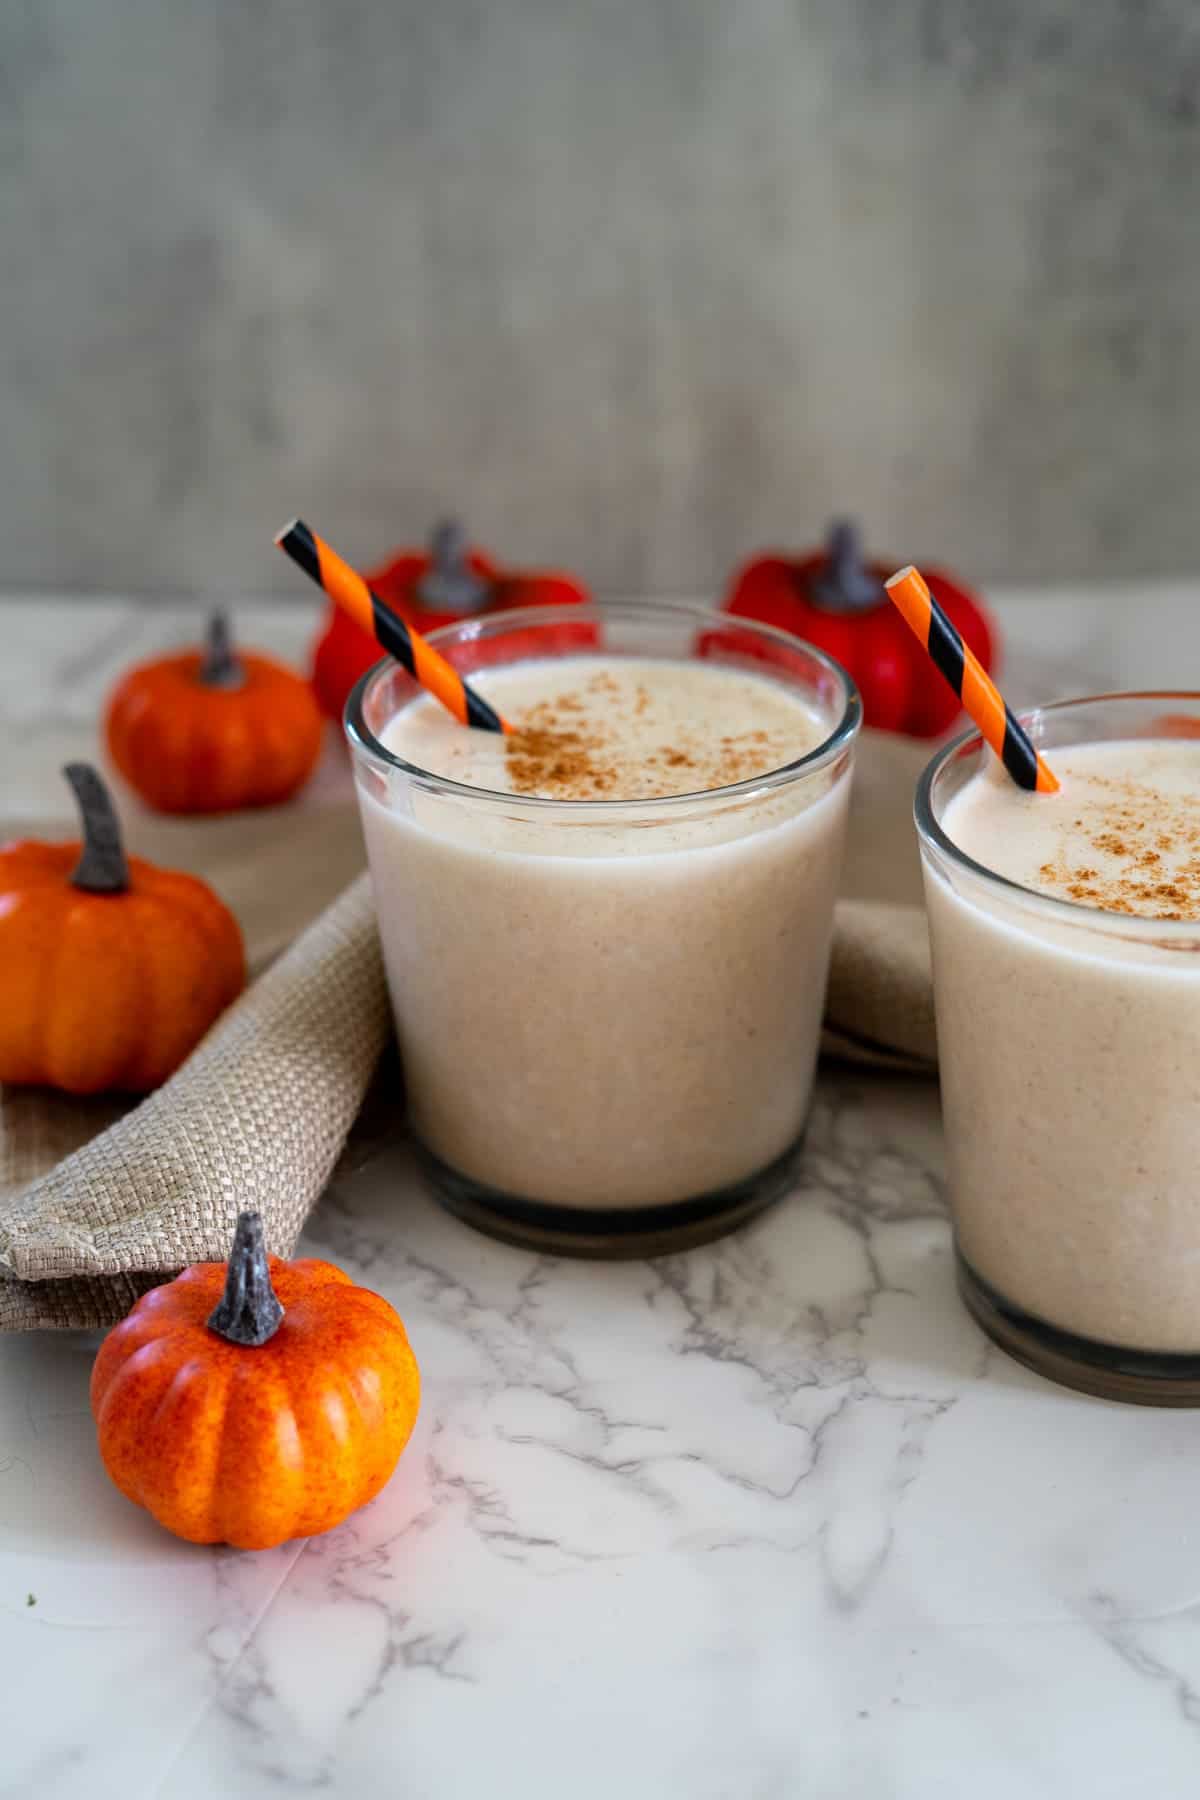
{"x": 214, "y": 730}
{"x": 834, "y": 598}
{"x": 254, "y": 1401}
{"x": 429, "y": 588}
{"x": 111, "y": 969}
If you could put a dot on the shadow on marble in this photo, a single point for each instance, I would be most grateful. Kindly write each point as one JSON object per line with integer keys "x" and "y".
{"x": 57, "y": 1498}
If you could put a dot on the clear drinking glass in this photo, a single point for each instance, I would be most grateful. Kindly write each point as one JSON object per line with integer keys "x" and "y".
{"x": 608, "y": 1011}
{"x": 1069, "y": 1054}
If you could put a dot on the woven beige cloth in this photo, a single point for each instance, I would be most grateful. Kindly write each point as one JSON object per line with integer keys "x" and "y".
{"x": 99, "y": 1201}
{"x": 879, "y": 1008}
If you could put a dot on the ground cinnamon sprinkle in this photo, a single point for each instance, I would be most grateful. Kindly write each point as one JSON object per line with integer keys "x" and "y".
{"x": 561, "y": 750}
{"x": 551, "y": 760}
{"x": 1126, "y": 832}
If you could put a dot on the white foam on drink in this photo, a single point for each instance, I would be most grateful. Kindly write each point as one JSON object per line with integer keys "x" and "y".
{"x": 1122, "y": 834}
{"x": 629, "y": 728}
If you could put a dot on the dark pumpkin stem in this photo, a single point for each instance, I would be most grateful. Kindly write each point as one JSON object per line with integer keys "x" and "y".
{"x": 249, "y": 1312}
{"x": 102, "y": 868}
{"x": 450, "y": 584}
{"x": 220, "y": 668}
{"x": 846, "y": 584}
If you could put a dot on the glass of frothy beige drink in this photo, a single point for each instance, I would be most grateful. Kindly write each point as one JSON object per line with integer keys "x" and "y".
{"x": 1065, "y": 930}
{"x": 607, "y": 934}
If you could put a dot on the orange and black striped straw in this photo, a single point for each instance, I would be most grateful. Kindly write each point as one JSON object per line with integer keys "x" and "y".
{"x": 346, "y": 587}
{"x": 909, "y": 593}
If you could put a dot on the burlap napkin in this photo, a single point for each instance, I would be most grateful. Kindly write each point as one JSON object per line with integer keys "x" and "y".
{"x": 879, "y": 1008}
{"x": 98, "y": 1201}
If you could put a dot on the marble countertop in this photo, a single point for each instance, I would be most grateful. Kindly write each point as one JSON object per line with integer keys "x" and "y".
{"x": 763, "y": 1520}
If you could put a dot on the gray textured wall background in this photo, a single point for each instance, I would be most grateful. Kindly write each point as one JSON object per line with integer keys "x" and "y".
{"x": 639, "y": 284}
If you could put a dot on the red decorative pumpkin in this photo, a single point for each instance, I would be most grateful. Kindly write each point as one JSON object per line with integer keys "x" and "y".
{"x": 834, "y": 599}
{"x": 430, "y": 588}
{"x": 214, "y": 729}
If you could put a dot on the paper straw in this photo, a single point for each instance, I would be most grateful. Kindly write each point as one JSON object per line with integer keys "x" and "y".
{"x": 346, "y": 587}
{"x": 909, "y": 592}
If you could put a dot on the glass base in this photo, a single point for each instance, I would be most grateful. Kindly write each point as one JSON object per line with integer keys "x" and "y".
{"x": 615, "y": 1232}
{"x": 1142, "y": 1377}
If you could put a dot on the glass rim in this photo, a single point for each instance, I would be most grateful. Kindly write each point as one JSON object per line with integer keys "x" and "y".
{"x": 842, "y": 735}
{"x": 1074, "y": 912}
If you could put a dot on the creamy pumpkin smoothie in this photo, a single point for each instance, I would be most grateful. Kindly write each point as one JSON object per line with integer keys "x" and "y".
{"x": 1065, "y": 931}
{"x": 606, "y": 935}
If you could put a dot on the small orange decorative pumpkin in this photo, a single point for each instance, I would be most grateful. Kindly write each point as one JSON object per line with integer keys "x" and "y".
{"x": 211, "y": 731}
{"x": 111, "y": 969}
{"x": 249, "y": 1402}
